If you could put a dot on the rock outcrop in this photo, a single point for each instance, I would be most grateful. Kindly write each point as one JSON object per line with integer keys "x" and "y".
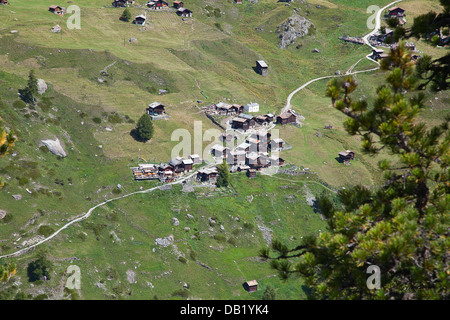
{"x": 54, "y": 146}
{"x": 294, "y": 27}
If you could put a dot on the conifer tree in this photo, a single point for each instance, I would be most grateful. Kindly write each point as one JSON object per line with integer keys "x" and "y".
{"x": 401, "y": 227}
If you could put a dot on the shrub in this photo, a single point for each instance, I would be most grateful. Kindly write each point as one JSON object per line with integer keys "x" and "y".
{"x": 97, "y": 120}
{"x": 46, "y": 231}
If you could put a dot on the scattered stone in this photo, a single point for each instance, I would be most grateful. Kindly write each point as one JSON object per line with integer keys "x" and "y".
{"x": 2, "y": 214}
{"x": 131, "y": 276}
{"x": 190, "y": 216}
{"x": 211, "y": 221}
{"x": 17, "y": 196}
{"x": 165, "y": 242}
{"x": 13, "y": 31}
{"x": 56, "y": 29}
{"x": 338, "y": 73}
{"x": 163, "y": 91}
{"x": 133, "y": 40}
{"x": 175, "y": 222}
{"x": 316, "y": 50}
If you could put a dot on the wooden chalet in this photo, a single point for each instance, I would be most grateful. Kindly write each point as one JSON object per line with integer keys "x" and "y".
{"x": 227, "y": 137}
{"x": 286, "y": 118}
{"x": 57, "y": 10}
{"x": 236, "y": 157}
{"x": 227, "y": 109}
{"x": 238, "y": 1}
{"x": 155, "y": 109}
{"x": 178, "y": 4}
{"x": 184, "y": 12}
{"x": 243, "y": 121}
{"x": 243, "y": 147}
{"x": 396, "y": 12}
{"x": 262, "y": 68}
{"x": 257, "y": 161}
{"x": 276, "y": 161}
{"x": 276, "y": 144}
{"x": 208, "y": 175}
{"x": 122, "y": 3}
{"x": 251, "y": 173}
{"x": 346, "y": 156}
{"x": 4, "y": 2}
{"x": 157, "y": 4}
{"x": 187, "y": 165}
{"x": 177, "y": 165}
{"x": 262, "y": 135}
{"x": 220, "y": 151}
{"x": 195, "y": 159}
{"x": 140, "y": 20}
{"x": 251, "y": 286}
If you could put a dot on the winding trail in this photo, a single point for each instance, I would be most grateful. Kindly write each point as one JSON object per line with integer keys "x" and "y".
{"x": 350, "y": 70}
{"x": 287, "y": 107}
{"x": 88, "y": 214}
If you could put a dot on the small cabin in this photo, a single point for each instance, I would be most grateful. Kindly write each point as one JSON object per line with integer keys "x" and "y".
{"x": 4, "y": 2}
{"x": 155, "y": 109}
{"x": 346, "y": 156}
{"x": 277, "y": 144}
{"x": 178, "y": 4}
{"x": 238, "y": 1}
{"x": 57, "y": 10}
{"x": 286, "y": 118}
{"x": 122, "y": 3}
{"x": 208, "y": 175}
{"x": 187, "y": 164}
{"x": 184, "y": 12}
{"x": 251, "y": 286}
{"x": 140, "y": 20}
{"x": 396, "y": 12}
{"x": 251, "y": 173}
{"x": 195, "y": 159}
{"x": 157, "y": 4}
{"x": 262, "y": 67}
{"x": 252, "y": 107}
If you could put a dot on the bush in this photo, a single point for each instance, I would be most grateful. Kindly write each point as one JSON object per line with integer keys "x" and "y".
{"x": 46, "y": 231}
{"x": 42, "y": 267}
{"x": 97, "y": 120}
{"x": 19, "y": 105}
{"x": 182, "y": 260}
{"x": 220, "y": 237}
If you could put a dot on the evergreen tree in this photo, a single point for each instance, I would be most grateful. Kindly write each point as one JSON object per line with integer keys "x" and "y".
{"x": 126, "y": 15}
{"x": 224, "y": 175}
{"x": 30, "y": 92}
{"x": 402, "y": 226}
{"x": 42, "y": 267}
{"x": 144, "y": 129}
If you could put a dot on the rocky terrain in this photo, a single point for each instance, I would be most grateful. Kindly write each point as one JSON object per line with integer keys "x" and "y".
{"x": 294, "y": 27}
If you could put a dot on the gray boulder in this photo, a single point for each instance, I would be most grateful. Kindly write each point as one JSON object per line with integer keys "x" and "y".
{"x": 55, "y": 147}
{"x": 294, "y": 27}
{"x": 42, "y": 86}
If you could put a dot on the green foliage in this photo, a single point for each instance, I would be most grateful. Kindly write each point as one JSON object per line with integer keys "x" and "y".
{"x": 42, "y": 267}
{"x": 126, "y": 15}
{"x": 97, "y": 120}
{"x": 46, "y": 231}
{"x": 269, "y": 294}
{"x": 30, "y": 92}
{"x": 402, "y": 227}
{"x": 224, "y": 175}
{"x": 144, "y": 129}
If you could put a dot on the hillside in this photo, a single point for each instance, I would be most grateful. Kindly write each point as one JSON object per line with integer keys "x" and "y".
{"x": 92, "y": 114}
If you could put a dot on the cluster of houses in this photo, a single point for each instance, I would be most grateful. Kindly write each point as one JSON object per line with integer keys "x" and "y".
{"x": 244, "y": 121}
{"x": 166, "y": 172}
{"x": 251, "y": 155}
{"x": 154, "y": 5}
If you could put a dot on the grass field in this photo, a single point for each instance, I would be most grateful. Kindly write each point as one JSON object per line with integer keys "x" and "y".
{"x": 209, "y": 53}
